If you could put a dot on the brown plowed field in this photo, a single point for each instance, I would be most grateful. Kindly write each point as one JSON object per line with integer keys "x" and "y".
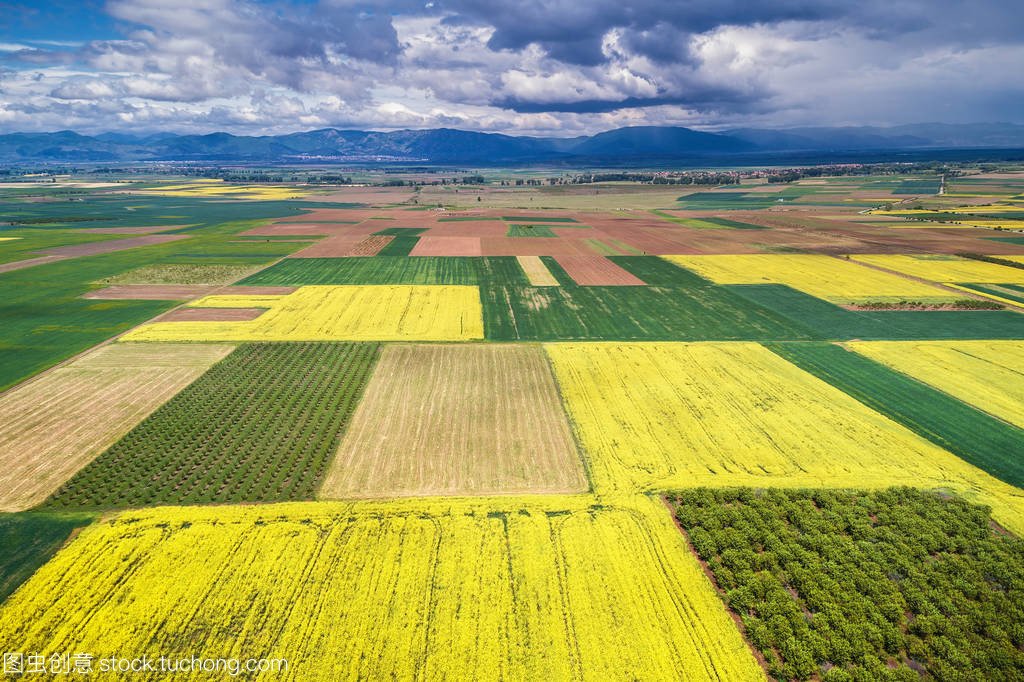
{"x": 471, "y": 419}
{"x": 483, "y": 228}
{"x": 447, "y": 246}
{"x": 213, "y": 314}
{"x": 52, "y": 427}
{"x": 304, "y": 229}
{"x": 19, "y": 264}
{"x": 157, "y": 292}
{"x": 534, "y": 246}
{"x": 345, "y": 245}
{"x": 597, "y": 271}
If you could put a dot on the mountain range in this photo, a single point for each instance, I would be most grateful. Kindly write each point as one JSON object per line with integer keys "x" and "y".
{"x": 445, "y": 145}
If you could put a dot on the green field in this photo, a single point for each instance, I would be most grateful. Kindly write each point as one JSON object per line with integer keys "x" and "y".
{"x": 679, "y": 312}
{"x": 518, "y": 230}
{"x": 43, "y": 321}
{"x": 984, "y": 441}
{"x": 390, "y": 270}
{"x": 833, "y": 322}
{"x": 402, "y": 231}
{"x": 259, "y": 426}
{"x": 876, "y": 585}
{"x": 399, "y": 246}
{"x": 28, "y": 540}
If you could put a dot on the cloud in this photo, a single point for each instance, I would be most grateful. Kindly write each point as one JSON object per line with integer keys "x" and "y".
{"x": 542, "y": 66}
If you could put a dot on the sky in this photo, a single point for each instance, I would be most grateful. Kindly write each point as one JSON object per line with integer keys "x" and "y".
{"x": 521, "y": 67}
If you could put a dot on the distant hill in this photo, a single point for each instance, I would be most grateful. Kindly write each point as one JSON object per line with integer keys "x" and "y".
{"x": 446, "y": 145}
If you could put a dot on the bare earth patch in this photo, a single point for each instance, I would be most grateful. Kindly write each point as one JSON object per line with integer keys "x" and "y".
{"x": 19, "y": 264}
{"x": 597, "y": 271}
{"x": 213, "y": 314}
{"x": 155, "y": 292}
{"x": 52, "y": 427}
{"x": 456, "y": 420}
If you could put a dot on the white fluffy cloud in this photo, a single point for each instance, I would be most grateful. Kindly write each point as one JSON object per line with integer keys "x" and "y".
{"x": 558, "y": 67}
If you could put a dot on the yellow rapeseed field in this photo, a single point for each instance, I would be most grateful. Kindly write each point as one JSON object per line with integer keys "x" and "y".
{"x": 338, "y": 313}
{"x": 946, "y": 268}
{"x": 519, "y": 588}
{"x": 986, "y": 374}
{"x": 832, "y": 279}
{"x": 656, "y": 416}
{"x": 221, "y": 189}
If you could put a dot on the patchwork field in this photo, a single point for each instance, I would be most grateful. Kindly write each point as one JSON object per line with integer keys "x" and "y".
{"x": 424, "y": 425}
{"x": 986, "y": 442}
{"x": 457, "y": 420}
{"x": 672, "y": 415}
{"x": 986, "y": 374}
{"x": 532, "y": 588}
{"x": 259, "y": 426}
{"x": 831, "y": 279}
{"x": 336, "y": 313}
{"x": 54, "y": 426}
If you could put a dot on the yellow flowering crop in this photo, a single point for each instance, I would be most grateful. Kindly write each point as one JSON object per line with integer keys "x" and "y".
{"x": 946, "y": 268}
{"x": 656, "y": 416}
{"x": 338, "y": 313}
{"x": 520, "y": 588}
{"x": 832, "y": 279}
{"x": 221, "y": 189}
{"x": 986, "y": 374}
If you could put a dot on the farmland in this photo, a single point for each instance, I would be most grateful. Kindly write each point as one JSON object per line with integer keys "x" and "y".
{"x": 52, "y": 427}
{"x": 946, "y": 268}
{"x": 261, "y": 425}
{"x": 337, "y": 313}
{"x": 985, "y": 374}
{"x": 416, "y": 427}
{"x": 878, "y": 585}
{"x": 455, "y": 420}
{"x": 976, "y": 437}
{"x": 488, "y": 590}
{"x": 827, "y": 278}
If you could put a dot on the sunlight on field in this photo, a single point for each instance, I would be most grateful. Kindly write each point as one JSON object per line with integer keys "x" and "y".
{"x": 986, "y": 374}
{"x": 833, "y": 279}
{"x": 489, "y": 589}
{"x": 337, "y": 313}
{"x": 658, "y": 416}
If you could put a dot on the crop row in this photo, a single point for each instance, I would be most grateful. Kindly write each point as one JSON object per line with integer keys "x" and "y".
{"x": 261, "y": 425}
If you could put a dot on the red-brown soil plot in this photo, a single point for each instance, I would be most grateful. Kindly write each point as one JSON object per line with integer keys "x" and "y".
{"x": 597, "y": 271}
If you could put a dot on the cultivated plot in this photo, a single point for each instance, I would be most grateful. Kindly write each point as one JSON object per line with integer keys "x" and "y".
{"x": 259, "y": 426}
{"x": 986, "y": 374}
{"x": 337, "y": 313}
{"x": 493, "y": 590}
{"x": 536, "y": 271}
{"x": 54, "y": 426}
{"x": 946, "y": 268}
{"x": 457, "y": 420}
{"x": 832, "y": 279}
{"x": 657, "y": 416}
